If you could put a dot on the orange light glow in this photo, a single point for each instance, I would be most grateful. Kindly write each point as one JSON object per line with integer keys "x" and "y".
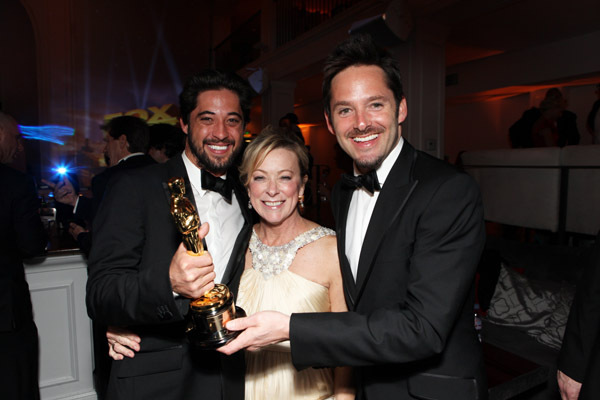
{"x": 510, "y": 91}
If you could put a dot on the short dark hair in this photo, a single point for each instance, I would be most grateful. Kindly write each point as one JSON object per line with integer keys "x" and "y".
{"x": 135, "y": 130}
{"x": 210, "y": 79}
{"x": 360, "y": 50}
{"x": 168, "y": 137}
{"x": 293, "y": 118}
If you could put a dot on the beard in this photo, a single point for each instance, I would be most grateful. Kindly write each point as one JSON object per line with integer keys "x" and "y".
{"x": 366, "y": 165}
{"x": 216, "y": 166}
{"x": 369, "y": 165}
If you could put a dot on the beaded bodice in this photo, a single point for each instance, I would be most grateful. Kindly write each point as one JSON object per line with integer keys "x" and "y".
{"x": 272, "y": 260}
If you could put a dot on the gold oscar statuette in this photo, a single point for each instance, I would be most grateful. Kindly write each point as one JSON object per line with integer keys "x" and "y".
{"x": 210, "y": 312}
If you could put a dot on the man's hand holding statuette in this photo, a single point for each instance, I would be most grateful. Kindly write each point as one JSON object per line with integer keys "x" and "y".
{"x": 192, "y": 275}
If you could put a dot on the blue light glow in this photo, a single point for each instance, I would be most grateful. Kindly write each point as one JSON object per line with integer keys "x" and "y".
{"x": 47, "y": 133}
{"x": 61, "y": 170}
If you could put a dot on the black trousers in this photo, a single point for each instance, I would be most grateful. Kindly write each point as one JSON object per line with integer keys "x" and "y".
{"x": 19, "y": 363}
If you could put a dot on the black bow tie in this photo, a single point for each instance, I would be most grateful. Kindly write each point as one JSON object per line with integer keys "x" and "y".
{"x": 367, "y": 181}
{"x": 212, "y": 183}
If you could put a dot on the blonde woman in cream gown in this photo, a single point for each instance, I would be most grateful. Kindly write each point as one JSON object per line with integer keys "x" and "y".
{"x": 291, "y": 266}
{"x": 269, "y": 285}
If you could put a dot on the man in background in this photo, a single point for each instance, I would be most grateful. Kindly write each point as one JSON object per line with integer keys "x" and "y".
{"x": 554, "y": 114}
{"x": 290, "y": 120}
{"x": 22, "y": 235}
{"x": 593, "y": 119}
{"x": 166, "y": 142}
{"x": 579, "y": 358}
{"x": 127, "y": 139}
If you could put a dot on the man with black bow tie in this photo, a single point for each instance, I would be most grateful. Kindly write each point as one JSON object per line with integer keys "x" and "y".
{"x": 140, "y": 276}
{"x": 410, "y": 233}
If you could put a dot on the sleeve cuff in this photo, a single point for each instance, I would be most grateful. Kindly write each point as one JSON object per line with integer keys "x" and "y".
{"x": 76, "y": 204}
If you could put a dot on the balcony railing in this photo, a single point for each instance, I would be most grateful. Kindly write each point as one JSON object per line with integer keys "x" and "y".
{"x": 295, "y": 17}
{"x": 292, "y": 19}
{"x": 241, "y": 47}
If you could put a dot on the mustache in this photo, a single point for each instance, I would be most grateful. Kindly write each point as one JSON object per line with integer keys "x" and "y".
{"x": 218, "y": 141}
{"x": 369, "y": 130}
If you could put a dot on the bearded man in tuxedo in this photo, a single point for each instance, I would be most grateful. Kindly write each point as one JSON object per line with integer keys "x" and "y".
{"x": 140, "y": 276}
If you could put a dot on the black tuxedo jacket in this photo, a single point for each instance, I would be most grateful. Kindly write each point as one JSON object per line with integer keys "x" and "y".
{"x": 87, "y": 208}
{"x": 128, "y": 286}
{"x": 579, "y": 356}
{"x": 22, "y": 235}
{"x": 409, "y": 333}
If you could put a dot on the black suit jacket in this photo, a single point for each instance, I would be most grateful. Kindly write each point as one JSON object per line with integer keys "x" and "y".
{"x": 134, "y": 240}
{"x": 87, "y": 208}
{"x": 579, "y": 356}
{"x": 22, "y": 235}
{"x": 409, "y": 333}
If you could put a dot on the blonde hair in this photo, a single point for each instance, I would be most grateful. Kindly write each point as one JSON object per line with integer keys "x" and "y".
{"x": 269, "y": 139}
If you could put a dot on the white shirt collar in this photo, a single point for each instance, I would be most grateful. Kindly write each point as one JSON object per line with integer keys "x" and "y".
{"x": 139, "y": 153}
{"x": 225, "y": 219}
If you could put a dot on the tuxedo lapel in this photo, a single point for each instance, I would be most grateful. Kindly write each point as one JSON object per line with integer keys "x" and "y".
{"x": 394, "y": 195}
{"x": 176, "y": 168}
{"x": 341, "y": 216}
{"x": 236, "y": 261}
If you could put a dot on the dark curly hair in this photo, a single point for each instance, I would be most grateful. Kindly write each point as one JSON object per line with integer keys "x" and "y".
{"x": 210, "y": 79}
{"x": 360, "y": 50}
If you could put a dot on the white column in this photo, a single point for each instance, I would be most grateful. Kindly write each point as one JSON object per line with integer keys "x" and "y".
{"x": 57, "y": 286}
{"x": 423, "y": 66}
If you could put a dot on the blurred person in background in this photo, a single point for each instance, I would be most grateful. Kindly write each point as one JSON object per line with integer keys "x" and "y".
{"x": 166, "y": 141}
{"x": 127, "y": 140}
{"x": 22, "y": 235}
{"x": 593, "y": 119}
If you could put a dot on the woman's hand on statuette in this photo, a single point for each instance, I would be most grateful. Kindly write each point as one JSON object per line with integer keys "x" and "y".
{"x": 259, "y": 330}
{"x": 122, "y": 343}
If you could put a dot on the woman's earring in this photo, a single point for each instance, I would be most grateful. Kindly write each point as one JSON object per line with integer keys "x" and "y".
{"x": 301, "y": 200}
{"x": 249, "y": 205}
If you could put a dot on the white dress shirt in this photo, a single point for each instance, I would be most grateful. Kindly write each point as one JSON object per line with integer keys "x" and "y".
{"x": 361, "y": 209}
{"x": 225, "y": 220}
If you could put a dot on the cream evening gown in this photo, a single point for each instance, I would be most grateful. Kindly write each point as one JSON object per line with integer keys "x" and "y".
{"x": 269, "y": 285}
